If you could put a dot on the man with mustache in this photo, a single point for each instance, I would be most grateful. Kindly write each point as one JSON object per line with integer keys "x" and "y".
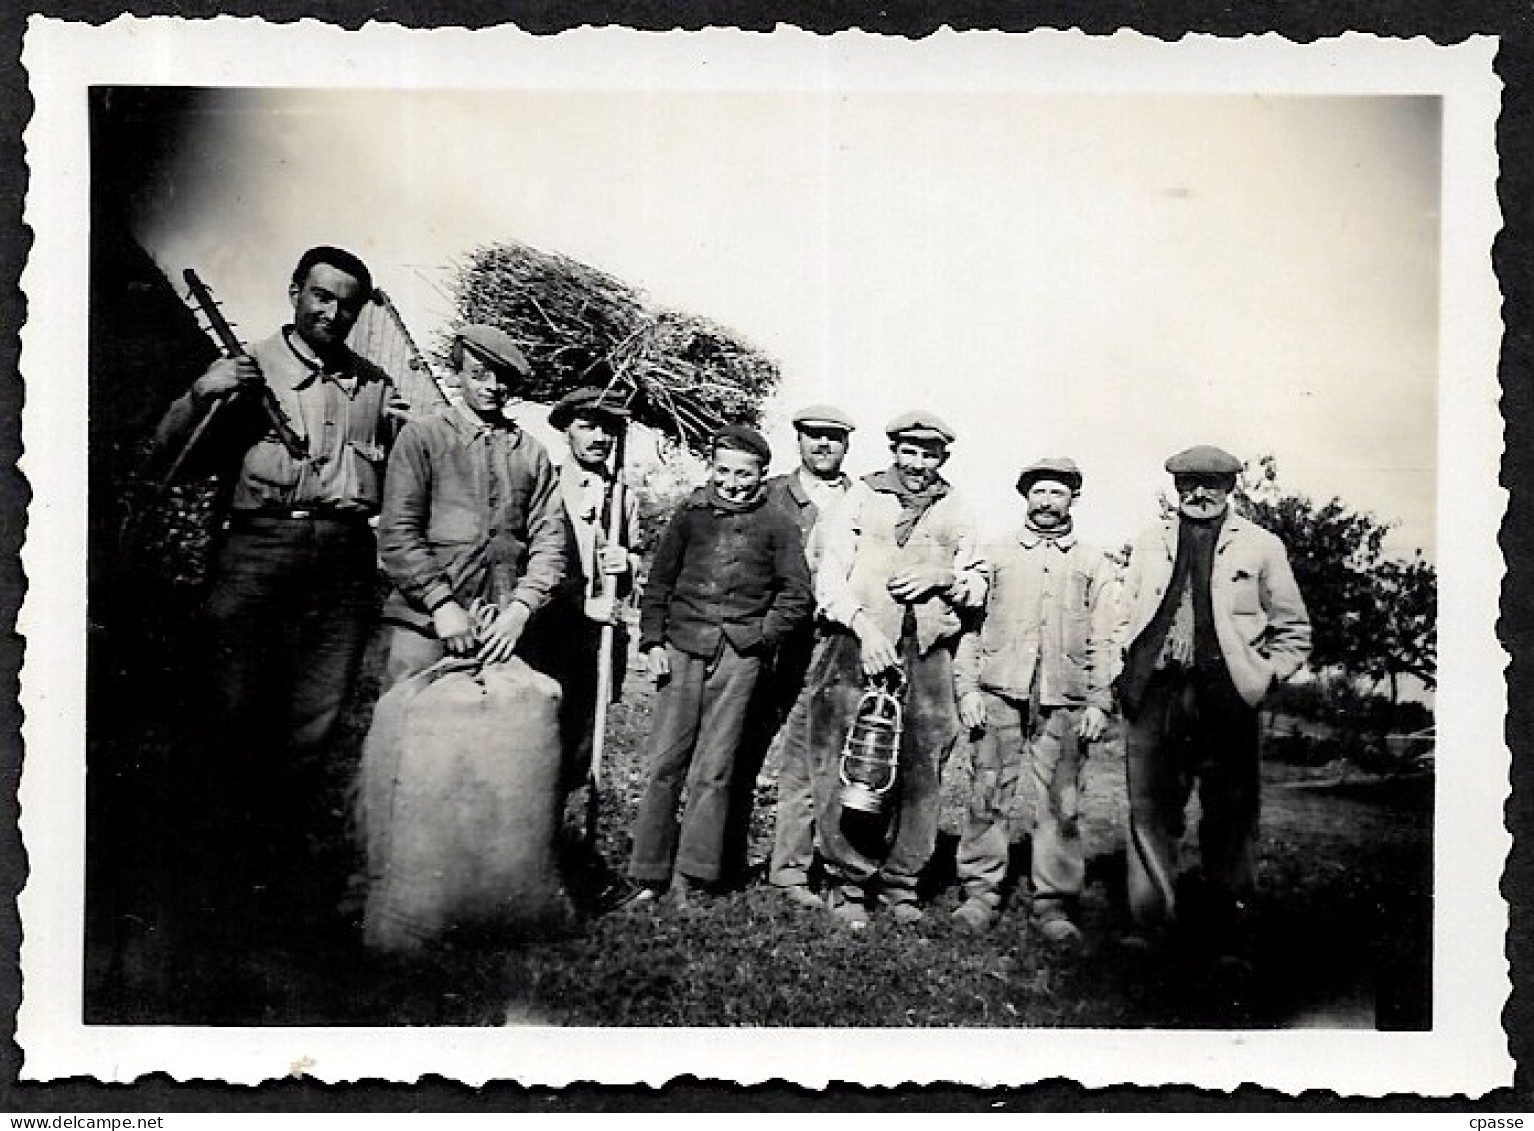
{"x": 292, "y": 598}
{"x": 1033, "y": 691}
{"x": 1210, "y": 619}
{"x": 899, "y": 564}
{"x": 601, "y": 572}
{"x": 779, "y": 712}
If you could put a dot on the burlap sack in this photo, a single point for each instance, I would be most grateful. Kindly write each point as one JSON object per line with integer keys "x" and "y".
{"x": 458, "y": 804}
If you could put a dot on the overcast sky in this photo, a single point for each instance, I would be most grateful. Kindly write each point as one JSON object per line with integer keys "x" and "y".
{"x": 1110, "y": 278}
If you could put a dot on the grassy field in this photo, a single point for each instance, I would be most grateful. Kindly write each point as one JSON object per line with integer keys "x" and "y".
{"x": 1343, "y": 926}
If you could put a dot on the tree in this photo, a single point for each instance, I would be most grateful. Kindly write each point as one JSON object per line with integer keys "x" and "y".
{"x": 1371, "y": 615}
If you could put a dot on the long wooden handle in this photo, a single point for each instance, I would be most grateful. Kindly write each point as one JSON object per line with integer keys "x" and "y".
{"x": 296, "y": 445}
{"x": 615, "y": 526}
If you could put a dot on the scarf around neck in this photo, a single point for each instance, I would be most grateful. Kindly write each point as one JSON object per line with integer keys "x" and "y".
{"x": 729, "y": 506}
{"x": 913, "y": 504}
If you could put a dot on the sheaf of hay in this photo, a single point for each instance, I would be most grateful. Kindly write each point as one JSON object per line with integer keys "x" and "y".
{"x": 681, "y": 374}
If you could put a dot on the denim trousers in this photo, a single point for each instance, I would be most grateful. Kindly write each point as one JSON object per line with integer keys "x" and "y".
{"x": 1022, "y": 749}
{"x": 1191, "y": 727}
{"x": 699, "y": 713}
{"x": 888, "y": 853}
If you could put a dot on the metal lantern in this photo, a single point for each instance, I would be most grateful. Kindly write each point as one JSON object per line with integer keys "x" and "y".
{"x": 871, "y": 752}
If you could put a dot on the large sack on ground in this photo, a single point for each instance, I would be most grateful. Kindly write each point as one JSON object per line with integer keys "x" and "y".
{"x": 458, "y": 802}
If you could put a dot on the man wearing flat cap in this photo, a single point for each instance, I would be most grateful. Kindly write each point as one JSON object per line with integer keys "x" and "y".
{"x": 301, "y": 440}
{"x": 779, "y": 713}
{"x": 472, "y": 531}
{"x": 600, "y": 568}
{"x": 1210, "y": 618}
{"x": 1033, "y": 686}
{"x": 899, "y": 563}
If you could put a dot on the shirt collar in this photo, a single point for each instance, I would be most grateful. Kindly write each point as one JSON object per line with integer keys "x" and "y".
{"x": 572, "y": 470}
{"x": 1030, "y": 539}
{"x": 311, "y": 368}
{"x": 467, "y": 419}
{"x": 802, "y": 483}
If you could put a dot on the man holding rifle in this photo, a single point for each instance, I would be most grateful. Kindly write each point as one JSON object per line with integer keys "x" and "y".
{"x": 300, "y": 425}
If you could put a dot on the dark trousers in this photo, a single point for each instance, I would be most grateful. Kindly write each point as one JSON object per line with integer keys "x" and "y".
{"x": 699, "y": 712}
{"x": 768, "y": 724}
{"x": 563, "y": 642}
{"x": 894, "y": 855}
{"x": 802, "y": 763}
{"x": 1191, "y": 727}
{"x": 289, "y": 614}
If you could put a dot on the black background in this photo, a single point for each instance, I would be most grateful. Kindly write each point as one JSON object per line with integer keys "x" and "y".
{"x": 1512, "y": 22}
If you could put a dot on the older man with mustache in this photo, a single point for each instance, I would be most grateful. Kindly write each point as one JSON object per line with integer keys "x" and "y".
{"x": 1033, "y": 690}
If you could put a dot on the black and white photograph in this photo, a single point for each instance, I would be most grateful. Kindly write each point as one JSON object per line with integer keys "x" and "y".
{"x": 762, "y": 556}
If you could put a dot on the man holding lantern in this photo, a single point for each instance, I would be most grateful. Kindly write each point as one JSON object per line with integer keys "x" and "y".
{"x": 899, "y": 564}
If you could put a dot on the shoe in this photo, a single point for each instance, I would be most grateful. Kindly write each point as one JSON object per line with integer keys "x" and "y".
{"x": 802, "y": 895}
{"x": 1053, "y": 919}
{"x": 618, "y": 893}
{"x": 640, "y": 897}
{"x": 682, "y": 894}
{"x": 974, "y": 915}
{"x": 1060, "y": 931}
{"x": 1144, "y": 940}
{"x": 906, "y": 913}
{"x": 846, "y": 910}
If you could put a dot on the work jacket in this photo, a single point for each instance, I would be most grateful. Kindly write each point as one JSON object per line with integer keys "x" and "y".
{"x": 858, "y": 556}
{"x": 721, "y": 575}
{"x": 787, "y": 491}
{"x": 1047, "y": 629}
{"x": 1259, "y": 615}
{"x": 469, "y": 511}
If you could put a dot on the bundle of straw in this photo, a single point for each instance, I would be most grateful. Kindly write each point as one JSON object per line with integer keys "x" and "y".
{"x": 680, "y": 374}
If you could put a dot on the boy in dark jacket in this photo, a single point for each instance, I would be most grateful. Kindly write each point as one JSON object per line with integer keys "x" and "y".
{"x": 728, "y": 583}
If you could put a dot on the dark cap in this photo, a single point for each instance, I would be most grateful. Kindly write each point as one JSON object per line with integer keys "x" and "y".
{"x": 743, "y": 438}
{"x": 823, "y": 416}
{"x": 586, "y": 402}
{"x": 1203, "y": 460}
{"x": 495, "y": 346}
{"x": 1061, "y": 469}
{"x": 922, "y": 426}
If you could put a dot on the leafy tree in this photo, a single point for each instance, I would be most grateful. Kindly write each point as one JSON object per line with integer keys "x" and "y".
{"x": 1373, "y": 616}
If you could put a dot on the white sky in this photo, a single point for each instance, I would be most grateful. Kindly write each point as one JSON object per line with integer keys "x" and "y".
{"x": 1110, "y": 278}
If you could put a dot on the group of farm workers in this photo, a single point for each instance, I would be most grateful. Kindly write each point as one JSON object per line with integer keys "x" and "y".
{"x": 771, "y": 608}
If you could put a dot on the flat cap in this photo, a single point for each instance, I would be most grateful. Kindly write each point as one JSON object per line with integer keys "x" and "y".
{"x": 1061, "y": 469}
{"x": 823, "y": 416}
{"x": 919, "y": 425}
{"x": 495, "y": 346}
{"x": 743, "y": 438}
{"x": 1204, "y": 460}
{"x": 586, "y": 402}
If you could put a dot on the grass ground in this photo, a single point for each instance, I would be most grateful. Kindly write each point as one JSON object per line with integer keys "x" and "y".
{"x": 1342, "y": 924}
